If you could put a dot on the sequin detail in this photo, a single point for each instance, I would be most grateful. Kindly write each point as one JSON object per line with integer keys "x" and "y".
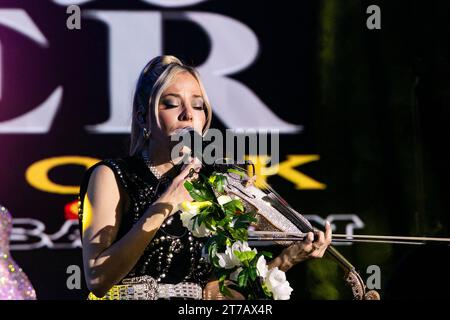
{"x": 14, "y": 283}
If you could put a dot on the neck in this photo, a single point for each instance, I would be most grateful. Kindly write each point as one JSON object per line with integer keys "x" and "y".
{"x": 160, "y": 157}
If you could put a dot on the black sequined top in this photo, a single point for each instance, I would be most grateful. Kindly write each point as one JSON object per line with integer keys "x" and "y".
{"x": 173, "y": 255}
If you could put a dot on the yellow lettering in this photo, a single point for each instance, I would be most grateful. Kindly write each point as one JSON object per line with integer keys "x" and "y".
{"x": 37, "y": 174}
{"x": 286, "y": 169}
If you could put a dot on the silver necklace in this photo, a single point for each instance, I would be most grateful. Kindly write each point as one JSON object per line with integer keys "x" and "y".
{"x": 150, "y": 164}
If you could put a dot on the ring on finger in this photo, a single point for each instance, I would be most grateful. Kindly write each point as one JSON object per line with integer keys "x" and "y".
{"x": 190, "y": 174}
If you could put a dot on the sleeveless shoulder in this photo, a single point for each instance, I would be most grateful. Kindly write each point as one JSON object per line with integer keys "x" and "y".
{"x": 134, "y": 178}
{"x": 113, "y": 164}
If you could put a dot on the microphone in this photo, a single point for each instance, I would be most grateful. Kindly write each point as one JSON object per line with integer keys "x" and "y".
{"x": 193, "y": 141}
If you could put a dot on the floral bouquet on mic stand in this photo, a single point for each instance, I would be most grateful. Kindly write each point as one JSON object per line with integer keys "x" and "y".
{"x": 223, "y": 219}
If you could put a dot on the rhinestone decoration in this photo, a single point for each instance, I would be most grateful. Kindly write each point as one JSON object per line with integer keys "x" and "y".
{"x": 151, "y": 165}
{"x": 14, "y": 283}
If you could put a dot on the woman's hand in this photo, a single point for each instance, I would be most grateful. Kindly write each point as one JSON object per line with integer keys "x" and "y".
{"x": 176, "y": 193}
{"x": 212, "y": 292}
{"x": 303, "y": 250}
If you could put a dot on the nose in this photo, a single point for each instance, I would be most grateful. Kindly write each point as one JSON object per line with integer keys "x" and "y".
{"x": 186, "y": 115}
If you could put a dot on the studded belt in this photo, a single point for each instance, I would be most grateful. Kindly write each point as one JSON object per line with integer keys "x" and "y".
{"x": 147, "y": 288}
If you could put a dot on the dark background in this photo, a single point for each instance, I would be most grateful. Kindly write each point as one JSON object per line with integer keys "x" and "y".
{"x": 374, "y": 105}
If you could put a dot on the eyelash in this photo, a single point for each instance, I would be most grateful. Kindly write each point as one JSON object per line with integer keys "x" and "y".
{"x": 202, "y": 107}
{"x": 170, "y": 106}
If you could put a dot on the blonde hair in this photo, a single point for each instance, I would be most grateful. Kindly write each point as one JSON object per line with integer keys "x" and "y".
{"x": 156, "y": 76}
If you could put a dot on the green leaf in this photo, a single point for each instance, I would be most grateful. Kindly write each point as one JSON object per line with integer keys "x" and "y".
{"x": 244, "y": 221}
{"x": 233, "y": 206}
{"x": 198, "y": 191}
{"x": 223, "y": 287}
{"x": 266, "y": 290}
{"x": 212, "y": 246}
{"x": 194, "y": 193}
{"x": 267, "y": 254}
{"x": 253, "y": 274}
{"x": 246, "y": 256}
{"x": 243, "y": 278}
{"x": 221, "y": 180}
{"x": 238, "y": 234}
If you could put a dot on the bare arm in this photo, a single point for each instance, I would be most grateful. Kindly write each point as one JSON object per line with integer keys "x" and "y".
{"x": 107, "y": 262}
{"x": 303, "y": 250}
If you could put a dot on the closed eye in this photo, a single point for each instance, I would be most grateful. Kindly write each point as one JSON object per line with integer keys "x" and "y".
{"x": 170, "y": 103}
{"x": 199, "y": 107}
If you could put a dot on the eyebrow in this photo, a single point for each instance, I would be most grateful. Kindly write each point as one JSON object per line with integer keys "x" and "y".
{"x": 179, "y": 96}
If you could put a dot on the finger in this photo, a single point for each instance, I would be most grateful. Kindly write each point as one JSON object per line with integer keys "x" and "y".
{"x": 190, "y": 172}
{"x": 183, "y": 175}
{"x": 307, "y": 244}
{"x": 317, "y": 245}
{"x": 193, "y": 163}
{"x": 322, "y": 250}
{"x": 309, "y": 249}
{"x": 186, "y": 163}
{"x": 181, "y": 157}
{"x": 191, "y": 175}
{"x": 319, "y": 253}
{"x": 320, "y": 239}
{"x": 194, "y": 176}
{"x": 184, "y": 150}
{"x": 327, "y": 240}
{"x": 197, "y": 162}
{"x": 328, "y": 232}
{"x": 309, "y": 238}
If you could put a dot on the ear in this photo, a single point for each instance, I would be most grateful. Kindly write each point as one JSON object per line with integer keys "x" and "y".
{"x": 140, "y": 118}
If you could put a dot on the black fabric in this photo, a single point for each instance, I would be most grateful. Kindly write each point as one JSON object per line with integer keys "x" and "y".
{"x": 173, "y": 255}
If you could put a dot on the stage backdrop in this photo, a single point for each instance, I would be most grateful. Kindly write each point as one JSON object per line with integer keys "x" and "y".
{"x": 363, "y": 116}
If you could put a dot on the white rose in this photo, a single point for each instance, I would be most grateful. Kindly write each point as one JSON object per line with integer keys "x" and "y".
{"x": 261, "y": 266}
{"x": 274, "y": 278}
{"x": 242, "y": 247}
{"x": 282, "y": 292}
{"x": 277, "y": 284}
{"x": 228, "y": 260}
{"x": 200, "y": 231}
{"x": 186, "y": 219}
{"x": 189, "y": 211}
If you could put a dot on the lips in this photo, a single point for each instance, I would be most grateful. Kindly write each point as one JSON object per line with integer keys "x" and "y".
{"x": 181, "y": 131}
